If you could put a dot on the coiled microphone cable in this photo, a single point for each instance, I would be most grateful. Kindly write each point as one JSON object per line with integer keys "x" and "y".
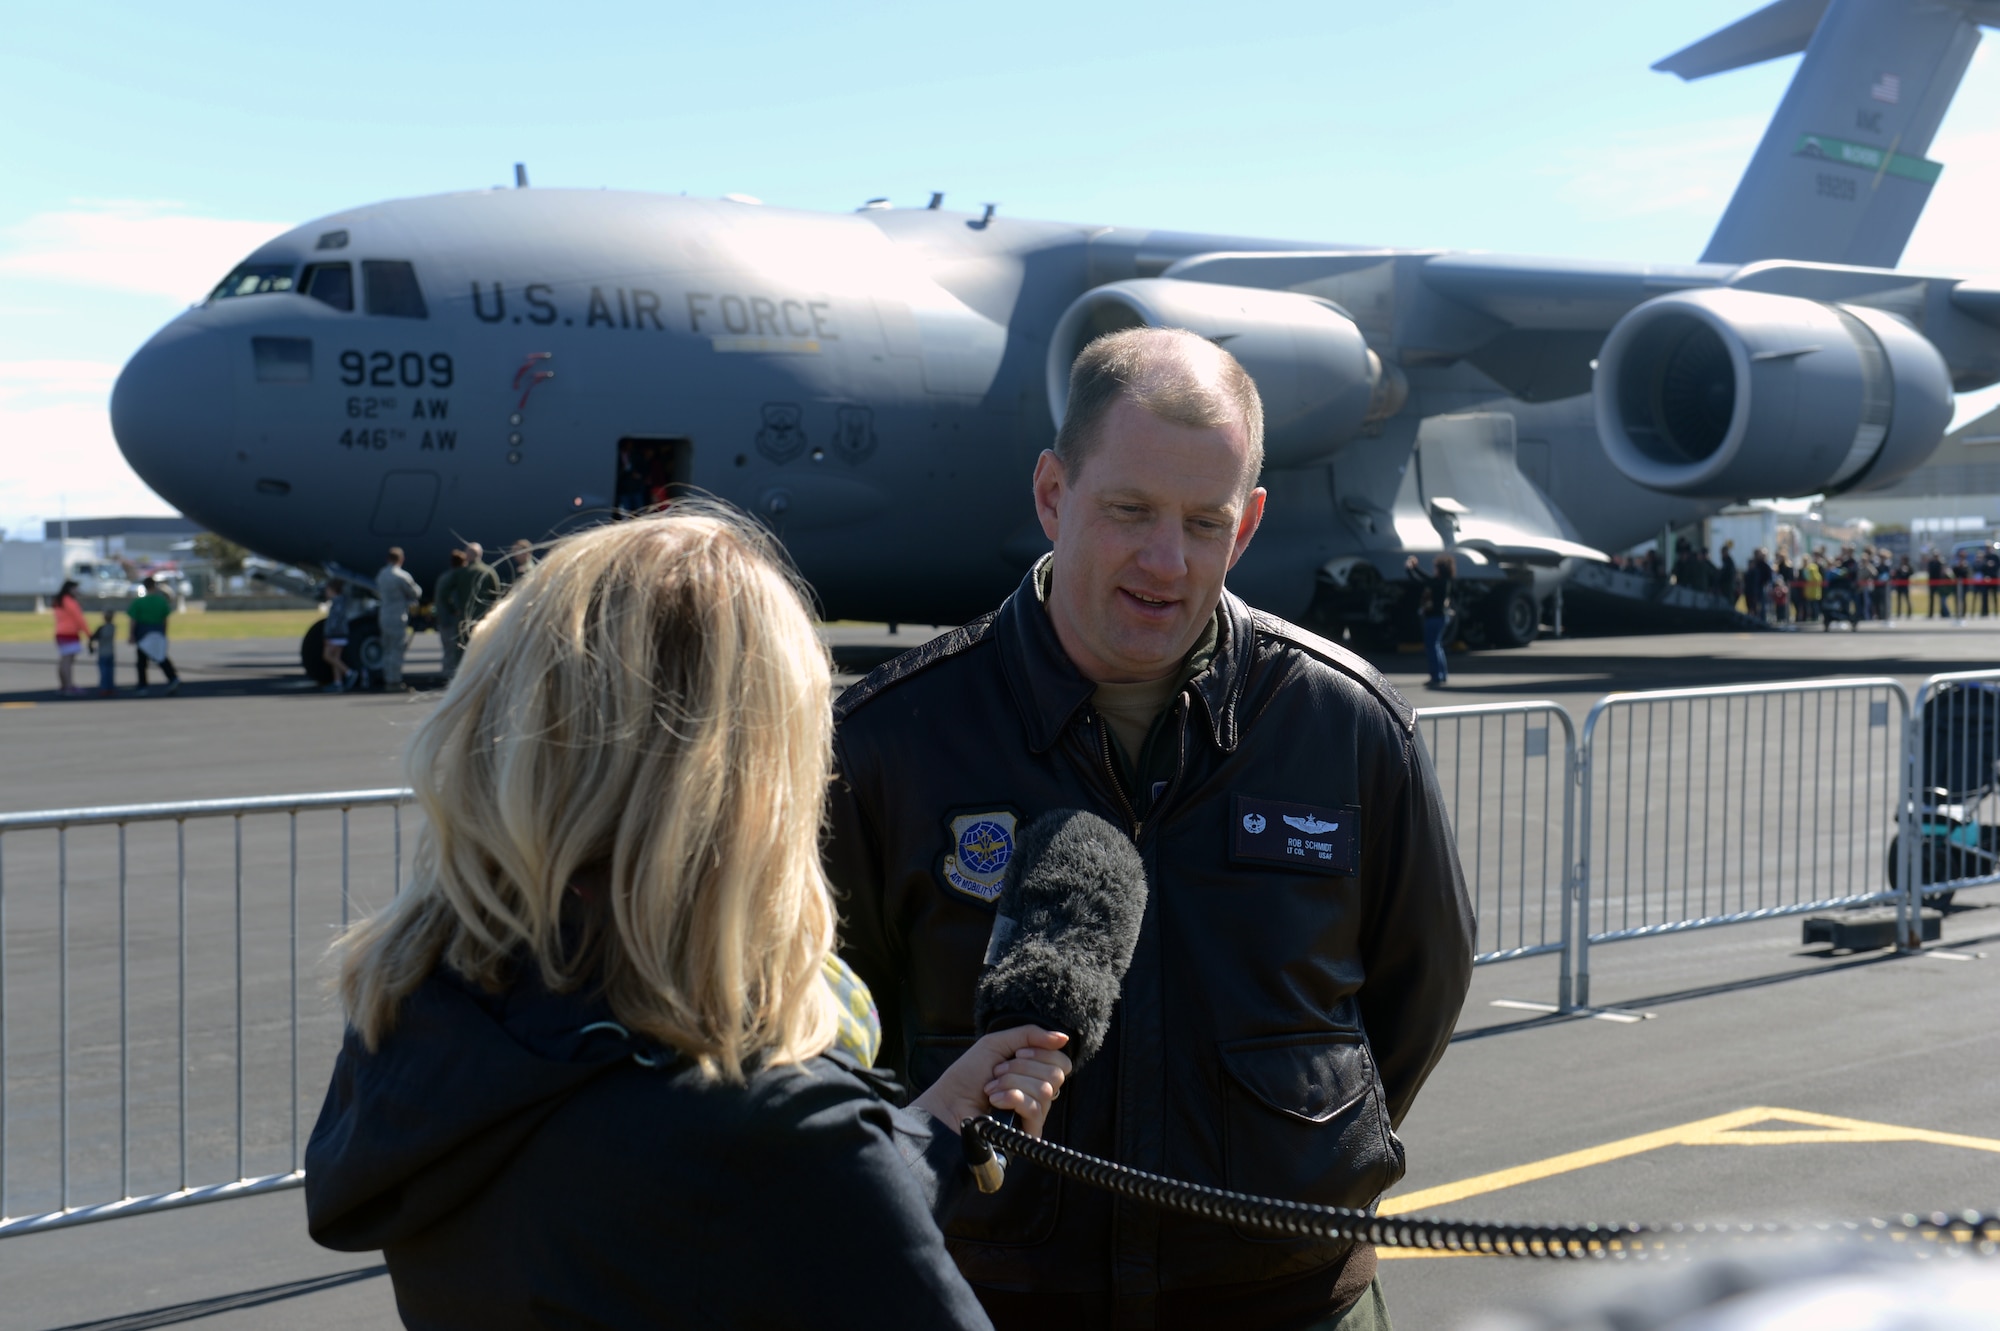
{"x": 1968, "y": 1231}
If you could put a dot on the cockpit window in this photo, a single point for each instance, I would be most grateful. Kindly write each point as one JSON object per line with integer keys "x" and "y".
{"x": 329, "y": 283}
{"x": 390, "y": 288}
{"x": 254, "y": 279}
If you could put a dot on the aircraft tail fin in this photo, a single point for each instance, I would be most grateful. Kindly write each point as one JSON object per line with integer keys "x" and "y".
{"x": 1841, "y": 175}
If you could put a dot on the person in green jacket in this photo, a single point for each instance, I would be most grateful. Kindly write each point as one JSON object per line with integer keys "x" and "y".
{"x": 483, "y": 588}
{"x": 149, "y": 635}
{"x": 449, "y": 602}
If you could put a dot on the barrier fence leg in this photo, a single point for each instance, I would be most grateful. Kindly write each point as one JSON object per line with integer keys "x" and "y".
{"x": 1565, "y": 983}
{"x": 1581, "y": 874}
{"x": 1910, "y": 899}
{"x": 3, "y": 1028}
{"x": 1582, "y": 942}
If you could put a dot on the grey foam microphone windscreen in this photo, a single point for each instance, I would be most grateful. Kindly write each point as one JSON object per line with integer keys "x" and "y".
{"x": 1064, "y": 928}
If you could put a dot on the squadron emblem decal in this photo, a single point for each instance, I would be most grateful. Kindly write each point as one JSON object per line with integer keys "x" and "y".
{"x": 783, "y": 436}
{"x": 975, "y": 863}
{"x": 853, "y": 433}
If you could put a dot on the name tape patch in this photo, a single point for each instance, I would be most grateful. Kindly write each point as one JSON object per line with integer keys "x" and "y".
{"x": 1302, "y": 836}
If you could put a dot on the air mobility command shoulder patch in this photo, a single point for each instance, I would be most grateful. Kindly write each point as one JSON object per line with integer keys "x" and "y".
{"x": 975, "y": 862}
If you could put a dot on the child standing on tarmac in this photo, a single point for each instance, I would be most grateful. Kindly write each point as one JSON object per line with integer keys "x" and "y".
{"x": 339, "y": 610}
{"x": 104, "y": 644}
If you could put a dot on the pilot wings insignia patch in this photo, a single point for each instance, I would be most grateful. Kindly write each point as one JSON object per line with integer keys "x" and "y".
{"x": 1310, "y": 825}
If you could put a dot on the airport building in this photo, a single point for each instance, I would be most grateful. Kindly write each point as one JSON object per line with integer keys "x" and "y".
{"x": 1953, "y": 497}
{"x": 141, "y": 539}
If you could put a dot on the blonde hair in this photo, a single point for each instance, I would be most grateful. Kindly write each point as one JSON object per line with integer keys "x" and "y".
{"x": 649, "y": 703}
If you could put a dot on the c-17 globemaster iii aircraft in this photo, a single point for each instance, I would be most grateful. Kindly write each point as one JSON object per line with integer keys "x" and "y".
{"x": 877, "y": 385}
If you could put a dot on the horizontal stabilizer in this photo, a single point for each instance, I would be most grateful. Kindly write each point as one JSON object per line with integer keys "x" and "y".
{"x": 1777, "y": 29}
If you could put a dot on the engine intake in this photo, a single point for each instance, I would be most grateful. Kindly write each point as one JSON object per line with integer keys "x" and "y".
{"x": 1725, "y": 394}
{"x": 1319, "y": 381}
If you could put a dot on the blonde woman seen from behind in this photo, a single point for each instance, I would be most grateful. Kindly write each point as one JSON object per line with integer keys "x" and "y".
{"x": 591, "y": 1073}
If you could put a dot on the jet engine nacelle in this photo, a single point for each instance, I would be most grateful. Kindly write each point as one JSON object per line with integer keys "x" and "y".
{"x": 1319, "y": 381}
{"x": 1726, "y": 394}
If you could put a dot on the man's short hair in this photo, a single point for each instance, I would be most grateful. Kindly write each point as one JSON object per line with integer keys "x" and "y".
{"x": 458, "y": 559}
{"x": 1176, "y": 375}
{"x": 395, "y": 554}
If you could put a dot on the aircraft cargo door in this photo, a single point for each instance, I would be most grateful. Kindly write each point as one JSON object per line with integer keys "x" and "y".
{"x": 651, "y": 473}
{"x": 405, "y": 504}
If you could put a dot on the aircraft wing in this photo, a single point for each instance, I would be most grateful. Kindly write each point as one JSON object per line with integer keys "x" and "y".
{"x": 1527, "y": 292}
{"x": 1535, "y": 324}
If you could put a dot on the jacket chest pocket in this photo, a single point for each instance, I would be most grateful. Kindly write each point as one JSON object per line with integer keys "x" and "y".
{"x": 1303, "y": 1120}
{"x": 1023, "y": 1213}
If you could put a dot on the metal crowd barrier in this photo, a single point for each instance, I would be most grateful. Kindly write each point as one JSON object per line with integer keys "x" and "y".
{"x": 1948, "y": 840}
{"x": 1508, "y": 775}
{"x": 152, "y": 1002}
{"x": 150, "y": 1051}
{"x": 1705, "y": 807}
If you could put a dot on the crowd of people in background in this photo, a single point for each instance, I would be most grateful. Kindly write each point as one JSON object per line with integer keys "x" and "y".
{"x": 1852, "y": 582}
{"x": 464, "y": 594}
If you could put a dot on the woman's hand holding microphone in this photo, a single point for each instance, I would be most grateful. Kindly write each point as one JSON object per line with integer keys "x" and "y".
{"x": 1021, "y": 1070}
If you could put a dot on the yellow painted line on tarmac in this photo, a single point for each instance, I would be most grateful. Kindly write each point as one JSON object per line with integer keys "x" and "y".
{"x": 14, "y": 706}
{"x": 1834, "y": 1129}
{"x": 1741, "y": 1127}
{"x": 1446, "y": 1193}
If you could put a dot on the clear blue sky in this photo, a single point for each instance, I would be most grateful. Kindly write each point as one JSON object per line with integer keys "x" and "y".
{"x": 152, "y": 145}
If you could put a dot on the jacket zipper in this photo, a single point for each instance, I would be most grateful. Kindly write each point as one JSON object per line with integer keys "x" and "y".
{"x": 1182, "y": 706}
{"x": 1111, "y": 776}
{"x": 1185, "y": 705}
{"x": 1111, "y": 770}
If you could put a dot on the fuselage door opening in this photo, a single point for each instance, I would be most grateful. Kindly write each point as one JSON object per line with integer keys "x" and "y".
{"x": 652, "y": 473}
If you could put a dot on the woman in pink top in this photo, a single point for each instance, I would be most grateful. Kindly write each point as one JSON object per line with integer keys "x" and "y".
{"x": 70, "y": 631}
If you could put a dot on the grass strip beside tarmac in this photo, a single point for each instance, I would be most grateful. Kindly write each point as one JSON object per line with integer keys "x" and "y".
{"x": 197, "y": 626}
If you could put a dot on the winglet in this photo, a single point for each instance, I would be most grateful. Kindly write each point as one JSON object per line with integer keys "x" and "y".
{"x": 1782, "y": 28}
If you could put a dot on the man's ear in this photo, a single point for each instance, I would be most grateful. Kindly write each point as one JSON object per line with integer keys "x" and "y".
{"x": 1050, "y": 477}
{"x": 1246, "y": 526}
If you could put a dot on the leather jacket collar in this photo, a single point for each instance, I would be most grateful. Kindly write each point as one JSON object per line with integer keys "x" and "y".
{"x": 1049, "y": 690}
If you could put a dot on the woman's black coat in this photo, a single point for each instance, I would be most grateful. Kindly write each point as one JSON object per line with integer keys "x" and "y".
{"x": 521, "y": 1162}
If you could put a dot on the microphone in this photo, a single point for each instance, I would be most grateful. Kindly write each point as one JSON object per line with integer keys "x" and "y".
{"x": 1064, "y": 929}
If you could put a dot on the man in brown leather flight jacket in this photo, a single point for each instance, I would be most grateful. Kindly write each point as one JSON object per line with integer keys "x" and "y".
{"x": 1307, "y": 941}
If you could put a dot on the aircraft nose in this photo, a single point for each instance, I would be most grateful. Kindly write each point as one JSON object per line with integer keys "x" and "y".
{"x": 173, "y": 411}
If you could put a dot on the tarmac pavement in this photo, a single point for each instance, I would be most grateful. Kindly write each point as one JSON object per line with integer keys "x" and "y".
{"x": 1848, "y": 1054}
